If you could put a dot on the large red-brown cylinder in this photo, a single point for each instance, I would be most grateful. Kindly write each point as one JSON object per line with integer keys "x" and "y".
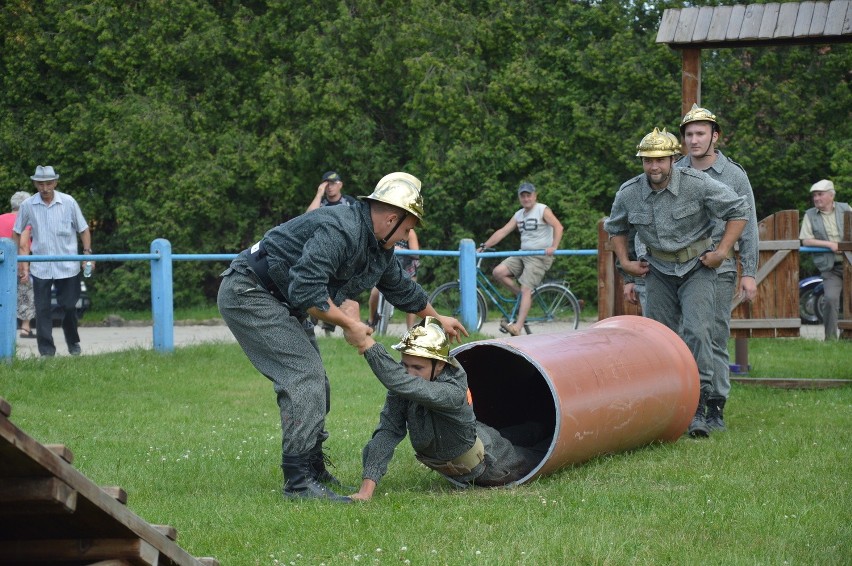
{"x": 624, "y": 382}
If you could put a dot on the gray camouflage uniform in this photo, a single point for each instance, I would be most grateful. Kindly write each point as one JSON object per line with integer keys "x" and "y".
{"x": 328, "y": 252}
{"x": 440, "y": 424}
{"x": 732, "y": 174}
{"x": 680, "y": 295}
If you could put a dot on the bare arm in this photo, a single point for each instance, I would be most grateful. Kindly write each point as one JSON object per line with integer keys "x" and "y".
{"x": 23, "y": 242}
{"x": 413, "y": 243}
{"x": 813, "y": 242}
{"x": 497, "y": 236}
{"x": 317, "y": 197}
{"x": 551, "y": 219}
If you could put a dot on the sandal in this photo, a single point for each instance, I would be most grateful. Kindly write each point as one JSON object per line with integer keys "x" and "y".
{"x": 27, "y": 334}
{"x": 510, "y": 328}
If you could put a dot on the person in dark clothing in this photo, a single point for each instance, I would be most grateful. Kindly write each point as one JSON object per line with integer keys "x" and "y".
{"x": 307, "y": 267}
{"x": 429, "y": 400}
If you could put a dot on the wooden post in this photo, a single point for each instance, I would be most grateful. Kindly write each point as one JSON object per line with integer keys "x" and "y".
{"x": 610, "y": 282}
{"x": 690, "y": 79}
{"x": 845, "y": 246}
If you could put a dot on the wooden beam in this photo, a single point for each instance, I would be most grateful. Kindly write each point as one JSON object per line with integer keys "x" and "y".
{"x": 136, "y": 551}
{"x": 793, "y": 383}
{"x": 772, "y": 245}
{"x": 116, "y": 493}
{"x": 62, "y": 451}
{"x": 34, "y": 496}
{"x": 743, "y": 323}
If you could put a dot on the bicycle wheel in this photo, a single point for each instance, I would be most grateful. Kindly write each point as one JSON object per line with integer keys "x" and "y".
{"x": 447, "y": 301}
{"x": 554, "y": 303}
{"x": 384, "y": 314}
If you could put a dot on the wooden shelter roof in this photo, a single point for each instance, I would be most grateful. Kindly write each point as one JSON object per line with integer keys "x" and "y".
{"x": 757, "y": 24}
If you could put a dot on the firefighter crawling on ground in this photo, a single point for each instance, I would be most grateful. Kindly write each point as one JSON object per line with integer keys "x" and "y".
{"x": 429, "y": 399}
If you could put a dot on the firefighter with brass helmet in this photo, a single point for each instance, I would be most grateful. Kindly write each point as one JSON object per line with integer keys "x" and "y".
{"x": 308, "y": 266}
{"x": 673, "y": 211}
{"x": 701, "y": 132}
{"x": 428, "y": 399}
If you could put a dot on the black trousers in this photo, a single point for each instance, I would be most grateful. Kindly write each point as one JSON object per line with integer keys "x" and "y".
{"x": 67, "y": 294}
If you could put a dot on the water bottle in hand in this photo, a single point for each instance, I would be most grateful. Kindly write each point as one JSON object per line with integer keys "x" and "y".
{"x": 87, "y": 269}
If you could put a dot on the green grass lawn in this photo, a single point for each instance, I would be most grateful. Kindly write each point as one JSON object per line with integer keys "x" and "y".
{"x": 194, "y": 438}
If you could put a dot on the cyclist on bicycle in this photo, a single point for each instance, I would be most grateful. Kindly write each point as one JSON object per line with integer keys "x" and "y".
{"x": 540, "y": 229}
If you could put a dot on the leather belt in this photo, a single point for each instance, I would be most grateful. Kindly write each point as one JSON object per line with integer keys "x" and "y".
{"x": 682, "y": 255}
{"x": 259, "y": 265}
{"x": 460, "y": 465}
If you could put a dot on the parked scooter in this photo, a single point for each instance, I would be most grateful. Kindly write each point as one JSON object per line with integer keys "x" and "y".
{"x": 811, "y": 300}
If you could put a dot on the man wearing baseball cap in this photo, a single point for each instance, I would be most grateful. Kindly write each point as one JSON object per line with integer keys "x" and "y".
{"x": 329, "y": 192}
{"x": 822, "y": 228}
{"x": 540, "y": 230}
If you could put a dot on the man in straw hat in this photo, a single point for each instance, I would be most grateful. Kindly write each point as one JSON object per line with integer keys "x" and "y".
{"x": 56, "y": 221}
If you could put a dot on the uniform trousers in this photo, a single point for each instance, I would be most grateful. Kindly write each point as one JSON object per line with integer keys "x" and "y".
{"x": 285, "y": 350}
{"x": 686, "y": 305}
{"x": 725, "y": 286}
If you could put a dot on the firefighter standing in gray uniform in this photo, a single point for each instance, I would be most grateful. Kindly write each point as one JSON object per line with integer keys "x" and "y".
{"x": 428, "y": 399}
{"x": 674, "y": 210}
{"x": 700, "y": 133}
{"x": 309, "y": 266}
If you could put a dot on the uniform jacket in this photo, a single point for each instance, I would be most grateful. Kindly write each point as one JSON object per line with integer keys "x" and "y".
{"x": 671, "y": 219}
{"x": 439, "y": 421}
{"x": 732, "y": 174}
{"x": 332, "y": 252}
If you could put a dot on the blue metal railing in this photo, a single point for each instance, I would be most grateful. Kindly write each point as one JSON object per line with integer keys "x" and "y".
{"x": 162, "y": 291}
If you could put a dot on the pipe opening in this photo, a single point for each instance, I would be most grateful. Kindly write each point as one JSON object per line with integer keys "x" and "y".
{"x": 511, "y": 394}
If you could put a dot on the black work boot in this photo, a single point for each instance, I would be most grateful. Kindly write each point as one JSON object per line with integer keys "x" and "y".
{"x": 299, "y": 481}
{"x": 715, "y": 407}
{"x": 698, "y": 427}
{"x": 318, "y": 461}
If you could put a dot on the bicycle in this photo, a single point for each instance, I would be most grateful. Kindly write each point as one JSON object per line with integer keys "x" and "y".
{"x": 384, "y": 314}
{"x": 552, "y": 301}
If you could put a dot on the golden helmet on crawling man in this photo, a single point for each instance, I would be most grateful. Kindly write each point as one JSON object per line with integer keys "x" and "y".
{"x": 658, "y": 144}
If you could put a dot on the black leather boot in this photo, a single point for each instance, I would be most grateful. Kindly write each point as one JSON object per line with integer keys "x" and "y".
{"x": 318, "y": 461}
{"x": 299, "y": 481}
{"x": 698, "y": 427}
{"x": 715, "y": 408}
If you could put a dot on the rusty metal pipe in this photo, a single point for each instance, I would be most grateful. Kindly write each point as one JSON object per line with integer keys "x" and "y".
{"x": 625, "y": 382}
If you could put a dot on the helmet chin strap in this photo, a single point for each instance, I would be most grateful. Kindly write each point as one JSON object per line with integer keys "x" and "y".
{"x": 434, "y": 363}
{"x": 399, "y": 222}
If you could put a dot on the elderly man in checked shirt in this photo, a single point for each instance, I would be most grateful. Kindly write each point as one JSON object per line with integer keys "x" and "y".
{"x": 674, "y": 210}
{"x": 309, "y": 266}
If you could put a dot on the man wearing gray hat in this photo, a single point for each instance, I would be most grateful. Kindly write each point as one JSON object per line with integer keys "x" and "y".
{"x": 822, "y": 228}
{"x": 56, "y": 220}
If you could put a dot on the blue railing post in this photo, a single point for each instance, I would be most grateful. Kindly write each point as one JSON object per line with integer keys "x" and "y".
{"x": 162, "y": 296}
{"x": 467, "y": 283}
{"x": 8, "y": 298}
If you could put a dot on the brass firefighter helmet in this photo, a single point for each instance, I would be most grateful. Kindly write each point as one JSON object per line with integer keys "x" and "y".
{"x": 658, "y": 144}
{"x": 400, "y": 190}
{"x": 427, "y": 339}
{"x": 698, "y": 114}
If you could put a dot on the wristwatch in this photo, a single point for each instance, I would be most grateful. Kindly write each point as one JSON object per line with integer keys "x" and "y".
{"x": 87, "y": 250}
